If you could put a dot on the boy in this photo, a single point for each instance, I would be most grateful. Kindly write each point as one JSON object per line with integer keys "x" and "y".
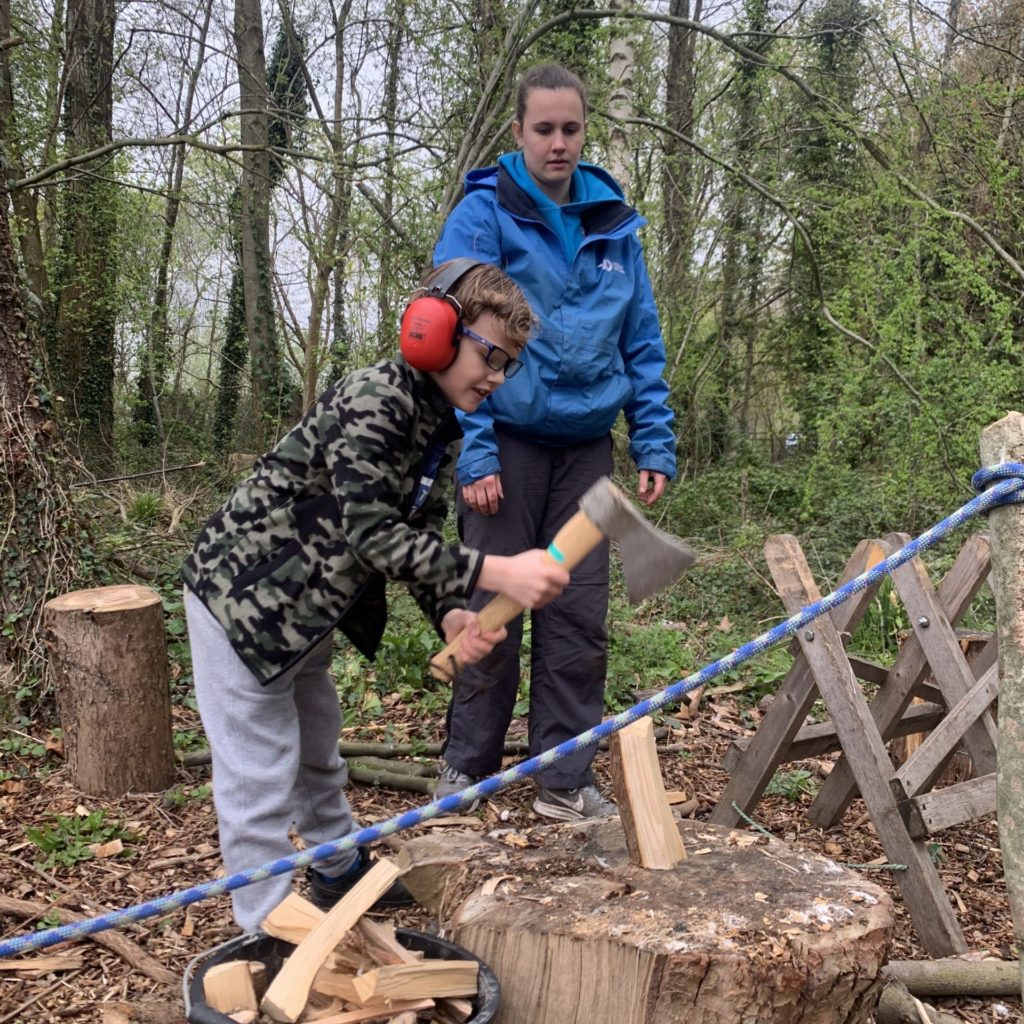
{"x": 352, "y": 496}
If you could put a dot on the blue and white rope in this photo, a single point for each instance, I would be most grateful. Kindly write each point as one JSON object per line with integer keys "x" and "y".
{"x": 1000, "y": 485}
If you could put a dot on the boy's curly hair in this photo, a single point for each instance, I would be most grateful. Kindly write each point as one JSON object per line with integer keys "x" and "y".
{"x": 488, "y": 289}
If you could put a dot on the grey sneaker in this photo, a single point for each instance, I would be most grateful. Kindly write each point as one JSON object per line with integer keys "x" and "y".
{"x": 573, "y": 804}
{"x": 451, "y": 780}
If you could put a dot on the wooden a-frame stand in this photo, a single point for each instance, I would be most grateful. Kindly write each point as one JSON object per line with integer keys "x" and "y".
{"x": 931, "y": 665}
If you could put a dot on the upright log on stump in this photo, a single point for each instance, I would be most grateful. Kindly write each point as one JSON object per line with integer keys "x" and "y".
{"x": 745, "y": 931}
{"x": 1004, "y": 442}
{"x": 108, "y": 658}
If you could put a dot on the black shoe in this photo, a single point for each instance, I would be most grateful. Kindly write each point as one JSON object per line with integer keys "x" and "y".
{"x": 325, "y": 892}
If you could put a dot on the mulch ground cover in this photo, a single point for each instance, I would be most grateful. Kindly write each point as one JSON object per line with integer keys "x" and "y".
{"x": 134, "y": 975}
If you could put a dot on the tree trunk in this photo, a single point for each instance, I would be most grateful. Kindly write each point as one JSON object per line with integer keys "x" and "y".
{"x": 24, "y": 201}
{"x": 83, "y": 342}
{"x": 154, "y": 357}
{"x": 1004, "y": 442}
{"x": 745, "y": 930}
{"x": 109, "y": 661}
{"x": 36, "y": 520}
{"x": 620, "y": 101}
{"x": 254, "y": 221}
{"x": 678, "y": 170}
{"x": 386, "y": 276}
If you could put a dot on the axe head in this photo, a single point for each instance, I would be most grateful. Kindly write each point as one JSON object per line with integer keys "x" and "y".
{"x": 651, "y": 558}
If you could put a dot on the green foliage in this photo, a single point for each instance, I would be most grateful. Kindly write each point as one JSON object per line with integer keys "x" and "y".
{"x": 791, "y": 784}
{"x": 181, "y": 795}
{"x": 49, "y": 920}
{"x": 20, "y": 745}
{"x": 399, "y": 674}
{"x": 884, "y": 625}
{"x": 66, "y": 842}
{"x": 643, "y": 657}
{"x": 145, "y": 508}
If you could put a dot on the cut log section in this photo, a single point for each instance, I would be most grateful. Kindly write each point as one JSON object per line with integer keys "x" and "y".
{"x": 108, "y": 659}
{"x": 746, "y": 930}
{"x": 651, "y": 835}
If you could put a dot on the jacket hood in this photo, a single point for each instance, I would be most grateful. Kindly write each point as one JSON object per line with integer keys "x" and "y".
{"x": 598, "y": 184}
{"x": 602, "y": 206}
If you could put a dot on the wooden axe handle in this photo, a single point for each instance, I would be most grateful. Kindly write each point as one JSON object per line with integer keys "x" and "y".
{"x": 571, "y": 545}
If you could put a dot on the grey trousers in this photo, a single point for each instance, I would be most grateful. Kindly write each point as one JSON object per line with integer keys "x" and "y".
{"x": 569, "y": 643}
{"x": 275, "y": 760}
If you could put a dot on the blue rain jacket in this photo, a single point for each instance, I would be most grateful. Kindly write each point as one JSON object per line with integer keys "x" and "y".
{"x": 598, "y": 349}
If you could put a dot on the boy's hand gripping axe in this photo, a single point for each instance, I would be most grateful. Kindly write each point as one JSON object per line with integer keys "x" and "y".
{"x": 651, "y": 559}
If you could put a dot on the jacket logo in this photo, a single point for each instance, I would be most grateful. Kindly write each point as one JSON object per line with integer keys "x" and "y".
{"x": 607, "y": 264}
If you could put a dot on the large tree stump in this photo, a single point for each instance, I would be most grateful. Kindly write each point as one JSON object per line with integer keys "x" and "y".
{"x": 746, "y": 930}
{"x": 108, "y": 658}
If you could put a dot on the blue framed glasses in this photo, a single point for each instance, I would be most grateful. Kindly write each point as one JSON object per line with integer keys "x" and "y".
{"x": 496, "y": 358}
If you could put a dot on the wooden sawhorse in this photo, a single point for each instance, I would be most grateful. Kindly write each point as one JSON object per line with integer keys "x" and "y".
{"x": 904, "y": 810}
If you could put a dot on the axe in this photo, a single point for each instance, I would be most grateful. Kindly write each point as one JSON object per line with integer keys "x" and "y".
{"x": 651, "y": 559}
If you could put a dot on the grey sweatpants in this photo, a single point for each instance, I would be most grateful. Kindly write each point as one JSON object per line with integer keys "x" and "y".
{"x": 275, "y": 760}
{"x": 569, "y": 646}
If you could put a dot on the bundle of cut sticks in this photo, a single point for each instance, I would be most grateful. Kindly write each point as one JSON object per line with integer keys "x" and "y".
{"x": 345, "y": 969}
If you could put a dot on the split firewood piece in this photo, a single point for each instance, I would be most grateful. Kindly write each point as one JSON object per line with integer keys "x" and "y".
{"x": 228, "y": 987}
{"x": 292, "y": 919}
{"x": 455, "y": 1010}
{"x": 330, "y": 983}
{"x": 381, "y": 945}
{"x": 244, "y": 1016}
{"x": 652, "y": 838}
{"x": 419, "y": 981}
{"x": 384, "y": 948}
{"x": 258, "y": 973}
{"x": 329, "y": 1009}
{"x": 288, "y": 992}
{"x": 376, "y": 1012}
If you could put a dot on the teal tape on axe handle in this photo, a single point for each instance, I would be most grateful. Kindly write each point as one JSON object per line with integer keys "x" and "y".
{"x": 555, "y": 553}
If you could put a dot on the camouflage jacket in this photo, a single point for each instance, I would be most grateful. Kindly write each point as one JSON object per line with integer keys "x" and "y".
{"x": 353, "y": 495}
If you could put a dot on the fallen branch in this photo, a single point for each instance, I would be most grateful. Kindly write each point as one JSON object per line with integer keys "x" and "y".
{"x": 390, "y": 764}
{"x": 357, "y": 749}
{"x": 127, "y": 950}
{"x": 952, "y": 977}
{"x": 897, "y": 1006}
{"x": 391, "y": 779}
{"x": 138, "y": 476}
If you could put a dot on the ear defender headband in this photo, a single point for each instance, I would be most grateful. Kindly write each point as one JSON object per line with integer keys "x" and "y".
{"x": 430, "y": 324}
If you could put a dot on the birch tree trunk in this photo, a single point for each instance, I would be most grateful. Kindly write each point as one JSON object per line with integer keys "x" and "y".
{"x": 620, "y": 101}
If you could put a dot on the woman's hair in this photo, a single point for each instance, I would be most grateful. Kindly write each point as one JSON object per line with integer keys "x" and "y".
{"x": 488, "y": 289}
{"x": 547, "y": 76}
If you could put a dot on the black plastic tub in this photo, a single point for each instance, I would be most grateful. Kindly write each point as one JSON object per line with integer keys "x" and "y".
{"x": 273, "y": 952}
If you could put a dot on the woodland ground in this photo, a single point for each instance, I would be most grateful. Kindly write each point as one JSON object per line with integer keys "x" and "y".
{"x": 173, "y": 845}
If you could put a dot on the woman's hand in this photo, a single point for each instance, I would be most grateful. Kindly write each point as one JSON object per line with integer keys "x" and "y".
{"x": 475, "y": 644}
{"x": 650, "y": 486}
{"x": 484, "y": 494}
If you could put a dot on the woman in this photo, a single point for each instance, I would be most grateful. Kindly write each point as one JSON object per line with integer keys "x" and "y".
{"x": 562, "y": 231}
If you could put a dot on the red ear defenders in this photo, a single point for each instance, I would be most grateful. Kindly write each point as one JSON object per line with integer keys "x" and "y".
{"x": 429, "y": 336}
